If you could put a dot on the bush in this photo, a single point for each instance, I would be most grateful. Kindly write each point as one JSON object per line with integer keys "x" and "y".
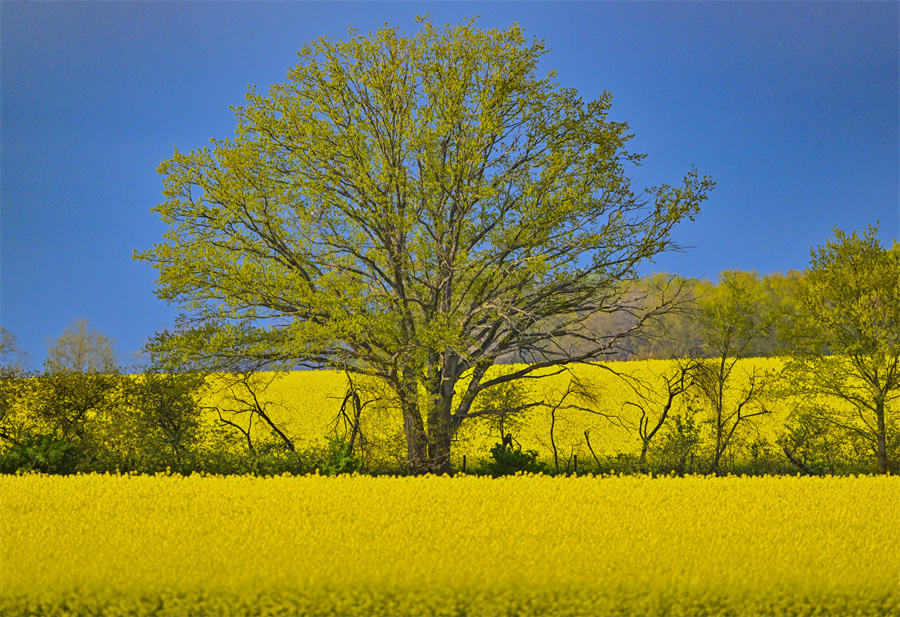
{"x": 678, "y": 449}
{"x": 69, "y": 401}
{"x": 336, "y": 458}
{"x": 817, "y": 445}
{"x": 44, "y": 453}
{"x": 508, "y": 460}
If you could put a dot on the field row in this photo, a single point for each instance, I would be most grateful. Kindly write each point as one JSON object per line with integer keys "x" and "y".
{"x": 524, "y": 545}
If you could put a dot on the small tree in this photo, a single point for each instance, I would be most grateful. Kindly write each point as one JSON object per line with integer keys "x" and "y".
{"x": 14, "y": 386}
{"x": 844, "y": 334}
{"x": 166, "y": 413}
{"x": 655, "y": 401}
{"x": 679, "y": 442}
{"x": 81, "y": 382}
{"x": 730, "y": 326}
{"x": 69, "y": 402}
{"x": 81, "y": 349}
{"x": 814, "y": 443}
{"x": 44, "y": 417}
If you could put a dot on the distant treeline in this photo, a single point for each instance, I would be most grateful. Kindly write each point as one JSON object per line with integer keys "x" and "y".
{"x": 678, "y": 333}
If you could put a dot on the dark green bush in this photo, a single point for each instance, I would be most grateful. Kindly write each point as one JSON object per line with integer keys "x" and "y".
{"x": 507, "y": 460}
{"x": 44, "y": 453}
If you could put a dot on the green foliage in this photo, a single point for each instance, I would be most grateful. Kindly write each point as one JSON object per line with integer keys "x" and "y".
{"x": 507, "y": 460}
{"x": 502, "y": 406}
{"x": 849, "y": 302}
{"x": 336, "y": 458}
{"x": 844, "y": 334}
{"x": 14, "y": 389}
{"x": 100, "y": 421}
{"x": 678, "y": 450}
{"x": 121, "y": 439}
{"x": 729, "y": 320}
{"x": 167, "y": 409}
{"x": 68, "y": 401}
{"x": 416, "y": 208}
{"x": 817, "y": 445}
{"x": 43, "y": 453}
{"x": 730, "y": 326}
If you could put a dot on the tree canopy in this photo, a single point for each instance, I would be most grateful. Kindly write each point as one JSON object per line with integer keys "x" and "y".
{"x": 415, "y": 208}
{"x": 845, "y": 333}
{"x": 12, "y": 359}
{"x": 81, "y": 348}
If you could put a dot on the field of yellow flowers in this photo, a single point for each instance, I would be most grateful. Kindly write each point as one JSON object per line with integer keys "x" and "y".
{"x": 305, "y": 405}
{"x": 523, "y": 545}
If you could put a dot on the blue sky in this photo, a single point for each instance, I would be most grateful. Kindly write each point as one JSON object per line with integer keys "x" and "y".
{"x": 791, "y": 107}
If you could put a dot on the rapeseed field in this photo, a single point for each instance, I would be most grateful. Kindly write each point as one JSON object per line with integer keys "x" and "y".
{"x": 520, "y": 545}
{"x": 306, "y": 405}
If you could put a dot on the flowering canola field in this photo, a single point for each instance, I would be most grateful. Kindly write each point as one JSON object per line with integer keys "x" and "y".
{"x": 305, "y": 404}
{"x": 523, "y": 545}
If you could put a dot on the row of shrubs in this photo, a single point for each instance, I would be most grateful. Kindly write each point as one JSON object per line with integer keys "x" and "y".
{"x": 68, "y": 422}
{"x": 48, "y": 453}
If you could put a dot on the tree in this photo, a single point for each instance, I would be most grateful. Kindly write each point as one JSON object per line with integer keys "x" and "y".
{"x": 241, "y": 391}
{"x": 11, "y": 357}
{"x": 844, "y": 333}
{"x": 166, "y": 412}
{"x": 80, "y": 382}
{"x": 667, "y": 335}
{"x": 679, "y": 334}
{"x": 731, "y": 327}
{"x": 81, "y": 350}
{"x": 655, "y": 405}
{"x": 69, "y": 402}
{"x": 14, "y": 385}
{"x": 414, "y": 208}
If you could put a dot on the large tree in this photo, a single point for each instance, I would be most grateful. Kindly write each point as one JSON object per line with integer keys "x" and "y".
{"x": 415, "y": 208}
{"x": 844, "y": 332}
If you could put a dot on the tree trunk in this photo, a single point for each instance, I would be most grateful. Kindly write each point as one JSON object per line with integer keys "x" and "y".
{"x": 439, "y": 438}
{"x": 440, "y": 422}
{"x": 719, "y": 448}
{"x": 428, "y": 451}
{"x": 882, "y": 436}
{"x": 642, "y": 461}
{"x": 441, "y": 425}
{"x": 416, "y": 443}
{"x": 552, "y": 440}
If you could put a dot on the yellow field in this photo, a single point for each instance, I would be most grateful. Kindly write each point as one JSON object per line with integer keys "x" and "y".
{"x": 306, "y": 404}
{"x": 532, "y": 545}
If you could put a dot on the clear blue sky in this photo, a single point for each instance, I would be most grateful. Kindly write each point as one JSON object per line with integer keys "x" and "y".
{"x": 792, "y": 107}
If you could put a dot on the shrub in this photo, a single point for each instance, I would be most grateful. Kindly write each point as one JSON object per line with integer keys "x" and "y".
{"x": 44, "y": 453}
{"x": 508, "y": 460}
{"x": 336, "y": 458}
{"x": 678, "y": 448}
